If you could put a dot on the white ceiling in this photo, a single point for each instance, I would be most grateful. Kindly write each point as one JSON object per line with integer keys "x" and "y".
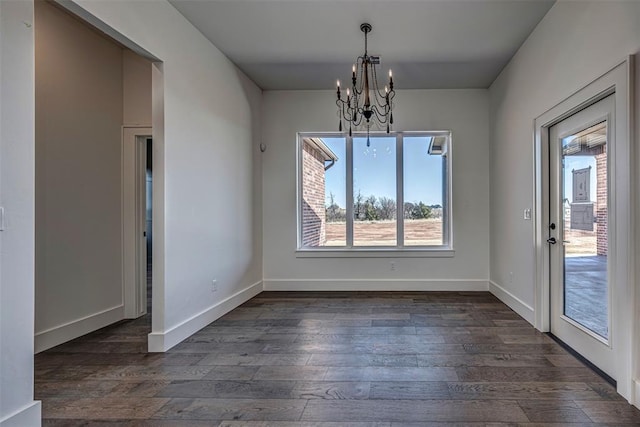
{"x": 308, "y": 44}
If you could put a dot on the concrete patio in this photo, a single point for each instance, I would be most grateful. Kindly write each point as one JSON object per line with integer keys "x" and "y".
{"x": 586, "y": 299}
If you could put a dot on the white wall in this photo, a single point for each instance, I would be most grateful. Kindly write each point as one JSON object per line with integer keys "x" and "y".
{"x": 464, "y": 112}
{"x": 204, "y": 149}
{"x": 575, "y": 43}
{"x": 136, "y": 87}
{"x": 79, "y": 110}
{"x": 17, "y": 407}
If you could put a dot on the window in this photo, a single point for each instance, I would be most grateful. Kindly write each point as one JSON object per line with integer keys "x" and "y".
{"x": 388, "y": 191}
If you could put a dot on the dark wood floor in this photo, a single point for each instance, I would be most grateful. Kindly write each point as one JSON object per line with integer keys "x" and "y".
{"x": 331, "y": 359}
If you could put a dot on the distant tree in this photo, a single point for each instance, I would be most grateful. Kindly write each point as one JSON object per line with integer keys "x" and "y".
{"x": 421, "y": 211}
{"x": 386, "y": 208}
{"x": 333, "y": 211}
{"x": 417, "y": 210}
{"x": 370, "y": 212}
{"x": 358, "y": 206}
{"x": 408, "y": 210}
{"x": 416, "y": 213}
{"x": 332, "y": 198}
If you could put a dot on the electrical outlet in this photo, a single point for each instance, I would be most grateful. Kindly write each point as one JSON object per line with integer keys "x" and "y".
{"x": 392, "y": 266}
{"x": 214, "y": 285}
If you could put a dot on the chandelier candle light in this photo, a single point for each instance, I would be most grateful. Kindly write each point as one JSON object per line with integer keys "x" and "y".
{"x": 365, "y": 103}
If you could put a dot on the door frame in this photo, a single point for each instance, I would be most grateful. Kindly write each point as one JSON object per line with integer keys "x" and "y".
{"x": 133, "y": 216}
{"x": 617, "y": 81}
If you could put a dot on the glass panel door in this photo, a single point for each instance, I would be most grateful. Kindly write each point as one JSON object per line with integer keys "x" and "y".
{"x": 579, "y": 238}
{"x": 584, "y": 219}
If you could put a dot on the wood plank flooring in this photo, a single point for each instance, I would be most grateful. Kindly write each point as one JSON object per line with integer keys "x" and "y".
{"x": 331, "y": 359}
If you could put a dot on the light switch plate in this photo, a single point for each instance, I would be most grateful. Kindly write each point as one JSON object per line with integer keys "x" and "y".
{"x": 527, "y": 213}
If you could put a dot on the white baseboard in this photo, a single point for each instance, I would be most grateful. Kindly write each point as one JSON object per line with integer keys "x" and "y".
{"x": 516, "y": 304}
{"x": 375, "y": 285}
{"x": 29, "y": 416}
{"x": 636, "y": 394}
{"x": 49, "y": 338}
{"x": 162, "y": 341}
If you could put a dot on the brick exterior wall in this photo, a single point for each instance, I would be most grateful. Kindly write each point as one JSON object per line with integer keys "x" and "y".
{"x": 601, "y": 202}
{"x": 313, "y": 197}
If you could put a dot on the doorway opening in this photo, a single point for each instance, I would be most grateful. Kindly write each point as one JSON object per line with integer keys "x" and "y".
{"x": 87, "y": 87}
{"x": 149, "y": 221}
{"x": 137, "y": 225}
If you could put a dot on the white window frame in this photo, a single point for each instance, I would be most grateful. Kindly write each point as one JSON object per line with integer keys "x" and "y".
{"x": 399, "y": 250}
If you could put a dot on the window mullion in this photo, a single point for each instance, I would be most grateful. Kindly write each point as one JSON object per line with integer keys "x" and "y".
{"x": 399, "y": 191}
{"x": 349, "y": 192}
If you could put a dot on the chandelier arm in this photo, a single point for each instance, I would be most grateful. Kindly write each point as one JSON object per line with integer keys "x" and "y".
{"x": 390, "y": 97}
{"x": 350, "y": 108}
{"x": 379, "y": 99}
{"x": 358, "y": 120}
{"x": 377, "y": 89}
{"x": 355, "y": 99}
{"x": 375, "y": 86}
{"x": 348, "y": 115}
{"x": 360, "y": 71}
{"x": 344, "y": 110}
{"x": 382, "y": 118}
{"x": 381, "y": 103}
{"x": 353, "y": 109}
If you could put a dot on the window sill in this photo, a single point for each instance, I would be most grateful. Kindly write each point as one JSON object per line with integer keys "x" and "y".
{"x": 375, "y": 253}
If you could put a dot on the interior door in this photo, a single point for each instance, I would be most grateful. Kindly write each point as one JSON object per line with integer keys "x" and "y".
{"x": 134, "y": 207}
{"x": 141, "y": 226}
{"x": 579, "y": 233}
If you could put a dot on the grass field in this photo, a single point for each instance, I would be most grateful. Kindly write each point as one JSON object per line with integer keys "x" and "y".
{"x": 426, "y": 232}
{"x": 418, "y": 232}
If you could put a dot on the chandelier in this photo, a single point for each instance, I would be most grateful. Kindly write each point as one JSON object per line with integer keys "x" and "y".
{"x": 366, "y": 103}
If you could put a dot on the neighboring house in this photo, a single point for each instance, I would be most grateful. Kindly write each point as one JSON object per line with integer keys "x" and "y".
{"x": 601, "y": 214}
{"x": 316, "y": 159}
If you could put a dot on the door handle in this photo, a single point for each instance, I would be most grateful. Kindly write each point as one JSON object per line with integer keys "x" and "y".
{"x": 552, "y": 240}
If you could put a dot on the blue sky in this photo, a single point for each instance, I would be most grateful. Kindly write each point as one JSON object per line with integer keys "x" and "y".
{"x": 374, "y": 170}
